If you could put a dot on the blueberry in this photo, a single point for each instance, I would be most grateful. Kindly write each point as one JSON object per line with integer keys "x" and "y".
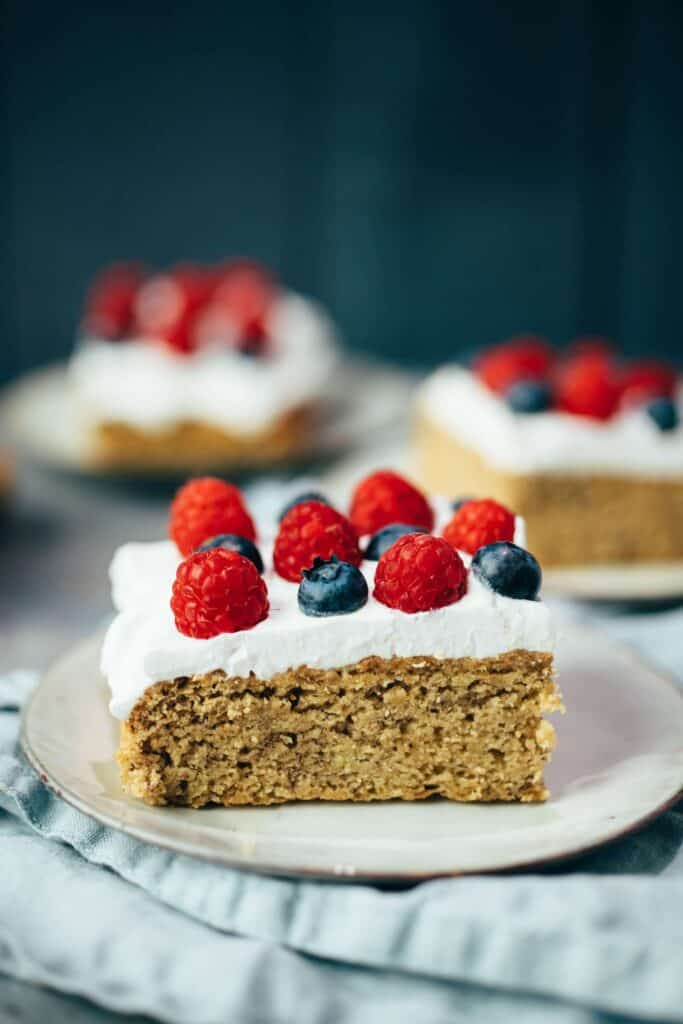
{"x": 388, "y": 535}
{"x": 253, "y": 342}
{"x": 529, "y": 396}
{"x": 664, "y": 413}
{"x": 509, "y": 570}
{"x": 332, "y": 588}
{"x": 306, "y": 496}
{"x": 233, "y": 542}
{"x": 459, "y": 502}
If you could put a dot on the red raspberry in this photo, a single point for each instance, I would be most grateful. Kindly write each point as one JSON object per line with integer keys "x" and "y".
{"x": 588, "y": 386}
{"x": 109, "y": 305}
{"x": 477, "y": 523}
{"x": 420, "y": 572}
{"x": 213, "y": 326}
{"x": 522, "y": 358}
{"x": 647, "y": 379}
{"x": 205, "y": 507}
{"x": 246, "y": 291}
{"x": 167, "y": 305}
{"x": 238, "y": 312}
{"x": 217, "y": 591}
{"x": 312, "y": 530}
{"x": 385, "y": 497}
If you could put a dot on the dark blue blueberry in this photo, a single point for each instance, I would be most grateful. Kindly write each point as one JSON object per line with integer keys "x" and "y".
{"x": 332, "y": 588}
{"x": 529, "y": 396}
{"x": 233, "y": 542}
{"x": 253, "y": 342}
{"x": 459, "y": 502}
{"x": 388, "y": 535}
{"x": 507, "y": 569}
{"x": 306, "y": 496}
{"x": 664, "y": 413}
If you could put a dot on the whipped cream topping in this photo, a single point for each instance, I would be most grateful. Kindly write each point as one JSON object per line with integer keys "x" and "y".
{"x": 143, "y": 646}
{"x": 143, "y": 383}
{"x": 628, "y": 444}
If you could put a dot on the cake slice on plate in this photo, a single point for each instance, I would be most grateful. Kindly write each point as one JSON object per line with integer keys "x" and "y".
{"x": 198, "y": 366}
{"x": 587, "y": 448}
{"x": 397, "y": 653}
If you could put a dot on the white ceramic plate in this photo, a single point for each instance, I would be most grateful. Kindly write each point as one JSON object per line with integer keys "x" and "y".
{"x": 656, "y": 581}
{"x": 39, "y": 414}
{"x": 619, "y": 762}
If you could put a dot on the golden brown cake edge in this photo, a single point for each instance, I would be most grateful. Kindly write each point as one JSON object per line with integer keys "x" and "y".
{"x": 192, "y": 445}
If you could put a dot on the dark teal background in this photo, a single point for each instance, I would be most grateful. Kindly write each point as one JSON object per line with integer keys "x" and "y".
{"x": 440, "y": 173}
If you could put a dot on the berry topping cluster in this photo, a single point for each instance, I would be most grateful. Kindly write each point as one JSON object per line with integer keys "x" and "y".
{"x": 588, "y": 381}
{"x": 219, "y": 587}
{"x": 186, "y": 308}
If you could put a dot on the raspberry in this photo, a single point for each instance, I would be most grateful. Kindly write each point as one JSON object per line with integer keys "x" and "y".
{"x": 237, "y": 314}
{"x": 109, "y": 305}
{"x": 168, "y": 304}
{"x": 477, "y": 523}
{"x": 384, "y": 498}
{"x": 247, "y": 292}
{"x": 217, "y": 591}
{"x": 522, "y": 358}
{"x": 588, "y": 386}
{"x": 204, "y": 508}
{"x": 648, "y": 379}
{"x": 420, "y": 572}
{"x": 312, "y": 530}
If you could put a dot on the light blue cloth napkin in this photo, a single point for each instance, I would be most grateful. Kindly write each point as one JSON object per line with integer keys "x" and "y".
{"x": 194, "y": 943}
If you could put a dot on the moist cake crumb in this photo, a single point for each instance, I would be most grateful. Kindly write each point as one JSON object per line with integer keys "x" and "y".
{"x": 469, "y": 729}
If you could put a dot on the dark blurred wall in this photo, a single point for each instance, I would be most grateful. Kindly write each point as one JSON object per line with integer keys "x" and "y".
{"x": 441, "y": 173}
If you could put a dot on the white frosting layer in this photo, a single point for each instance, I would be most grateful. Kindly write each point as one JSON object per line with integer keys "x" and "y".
{"x": 143, "y": 646}
{"x": 145, "y": 384}
{"x": 628, "y": 444}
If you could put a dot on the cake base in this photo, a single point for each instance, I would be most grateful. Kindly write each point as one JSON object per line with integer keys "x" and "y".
{"x": 193, "y": 446}
{"x": 570, "y": 520}
{"x": 406, "y": 728}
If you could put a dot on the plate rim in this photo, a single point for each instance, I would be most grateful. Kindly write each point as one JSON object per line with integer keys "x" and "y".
{"x": 573, "y": 582}
{"x": 344, "y": 873}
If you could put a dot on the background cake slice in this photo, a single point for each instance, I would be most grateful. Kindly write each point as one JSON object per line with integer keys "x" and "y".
{"x": 588, "y": 450}
{"x": 199, "y": 366}
{"x": 418, "y": 671}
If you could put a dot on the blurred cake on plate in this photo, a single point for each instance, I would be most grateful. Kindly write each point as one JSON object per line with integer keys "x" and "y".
{"x": 198, "y": 366}
{"x": 586, "y": 447}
